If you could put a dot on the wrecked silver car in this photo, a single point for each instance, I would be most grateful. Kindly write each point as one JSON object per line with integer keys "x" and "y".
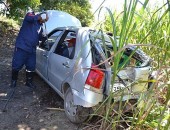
{"x": 69, "y": 62}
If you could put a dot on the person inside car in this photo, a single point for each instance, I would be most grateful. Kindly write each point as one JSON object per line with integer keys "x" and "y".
{"x": 71, "y": 47}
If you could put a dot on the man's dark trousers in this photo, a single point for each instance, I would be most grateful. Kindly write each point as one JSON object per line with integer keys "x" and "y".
{"x": 21, "y": 58}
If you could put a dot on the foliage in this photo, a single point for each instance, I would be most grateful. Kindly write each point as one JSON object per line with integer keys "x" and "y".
{"x": 7, "y": 24}
{"x": 150, "y": 29}
{"x": 147, "y": 26}
{"x": 18, "y": 8}
{"x": 78, "y": 8}
{"x": 3, "y": 7}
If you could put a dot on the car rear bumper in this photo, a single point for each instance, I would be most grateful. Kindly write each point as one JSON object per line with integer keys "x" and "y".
{"x": 87, "y": 98}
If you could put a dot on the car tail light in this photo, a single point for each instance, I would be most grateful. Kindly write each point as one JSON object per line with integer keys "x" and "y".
{"x": 95, "y": 78}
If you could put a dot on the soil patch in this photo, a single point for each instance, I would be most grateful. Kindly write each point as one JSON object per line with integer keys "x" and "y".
{"x": 28, "y": 109}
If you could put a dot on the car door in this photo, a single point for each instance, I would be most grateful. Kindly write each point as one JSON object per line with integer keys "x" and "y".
{"x": 61, "y": 61}
{"x": 43, "y": 52}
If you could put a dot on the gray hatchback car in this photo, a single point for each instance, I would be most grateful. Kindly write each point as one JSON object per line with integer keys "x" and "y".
{"x": 68, "y": 62}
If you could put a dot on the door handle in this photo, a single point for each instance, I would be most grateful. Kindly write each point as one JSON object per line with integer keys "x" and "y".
{"x": 66, "y": 64}
{"x": 45, "y": 55}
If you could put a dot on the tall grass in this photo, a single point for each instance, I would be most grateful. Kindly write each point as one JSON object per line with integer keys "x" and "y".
{"x": 150, "y": 30}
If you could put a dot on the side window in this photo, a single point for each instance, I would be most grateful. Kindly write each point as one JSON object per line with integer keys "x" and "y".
{"x": 47, "y": 44}
{"x": 66, "y": 46}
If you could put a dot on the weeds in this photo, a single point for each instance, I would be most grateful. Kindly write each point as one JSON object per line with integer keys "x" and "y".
{"x": 150, "y": 29}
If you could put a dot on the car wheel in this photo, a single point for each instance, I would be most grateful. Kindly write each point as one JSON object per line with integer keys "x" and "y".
{"x": 75, "y": 113}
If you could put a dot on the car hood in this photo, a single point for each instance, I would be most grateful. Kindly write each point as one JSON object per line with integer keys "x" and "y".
{"x": 60, "y": 19}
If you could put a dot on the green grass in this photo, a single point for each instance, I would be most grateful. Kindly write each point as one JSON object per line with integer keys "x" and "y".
{"x": 150, "y": 29}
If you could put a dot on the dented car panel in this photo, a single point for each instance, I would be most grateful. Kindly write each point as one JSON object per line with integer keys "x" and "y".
{"x": 135, "y": 81}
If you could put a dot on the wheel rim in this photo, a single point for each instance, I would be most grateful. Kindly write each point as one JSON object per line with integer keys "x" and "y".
{"x": 70, "y": 107}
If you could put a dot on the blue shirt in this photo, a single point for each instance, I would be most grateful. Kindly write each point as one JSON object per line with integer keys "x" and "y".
{"x": 30, "y": 33}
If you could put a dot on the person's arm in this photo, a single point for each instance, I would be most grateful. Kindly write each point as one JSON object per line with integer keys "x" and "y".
{"x": 31, "y": 17}
{"x": 43, "y": 33}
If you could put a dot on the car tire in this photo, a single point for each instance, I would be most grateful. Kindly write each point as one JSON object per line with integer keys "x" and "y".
{"x": 76, "y": 114}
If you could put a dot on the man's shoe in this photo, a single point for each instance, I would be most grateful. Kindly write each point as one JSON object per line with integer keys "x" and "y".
{"x": 30, "y": 85}
{"x": 29, "y": 80}
{"x": 14, "y": 78}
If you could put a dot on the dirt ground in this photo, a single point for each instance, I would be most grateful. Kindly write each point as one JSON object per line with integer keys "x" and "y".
{"x": 28, "y": 110}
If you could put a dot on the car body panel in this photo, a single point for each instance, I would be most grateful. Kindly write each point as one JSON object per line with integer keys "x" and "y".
{"x": 42, "y": 62}
{"x": 87, "y": 98}
{"x": 59, "y": 19}
{"x": 57, "y": 72}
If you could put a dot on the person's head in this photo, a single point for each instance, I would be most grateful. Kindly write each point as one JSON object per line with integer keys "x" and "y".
{"x": 71, "y": 42}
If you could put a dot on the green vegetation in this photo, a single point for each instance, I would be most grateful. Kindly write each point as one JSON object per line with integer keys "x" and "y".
{"x": 7, "y": 25}
{"x": 78, "y": 8}
{"x": 150, "y": 30}
{"x": 18, "y": 8}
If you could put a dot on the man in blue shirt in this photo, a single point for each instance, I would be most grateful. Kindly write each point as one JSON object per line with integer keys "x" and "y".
{"x": 25, "y": 47}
